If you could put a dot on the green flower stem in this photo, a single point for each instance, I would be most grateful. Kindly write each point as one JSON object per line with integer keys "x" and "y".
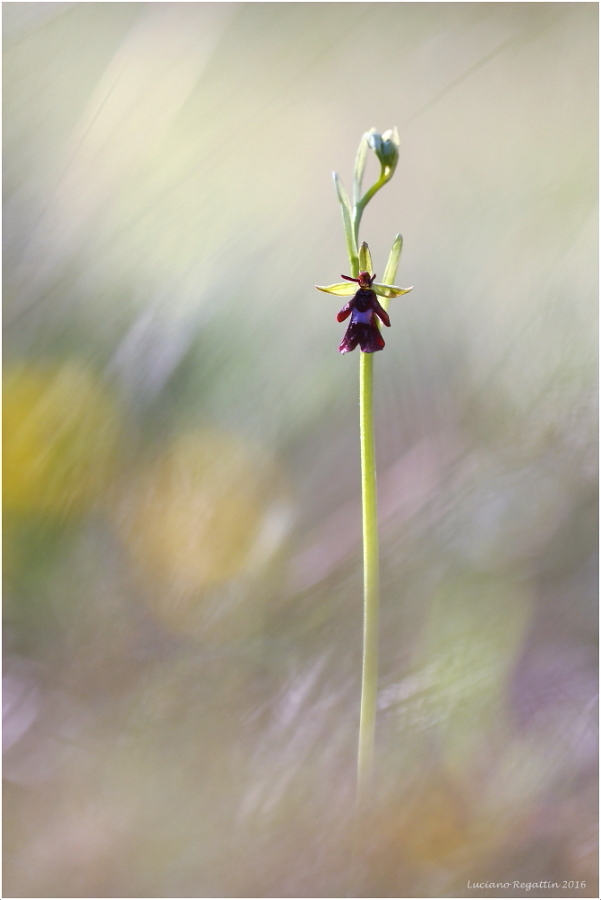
{"x": 369, "y": 682}
{"x": 361, "y": 204}
{"x": 371, "y": 561}
{"x": 369, "y": 505}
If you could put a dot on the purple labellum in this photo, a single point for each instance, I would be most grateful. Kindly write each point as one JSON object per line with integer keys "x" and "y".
{"x": 363, "y": 309}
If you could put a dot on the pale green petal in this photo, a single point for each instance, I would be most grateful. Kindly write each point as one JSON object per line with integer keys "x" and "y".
{"x": 343, "y": 289}
{"x": 389, "y": 290}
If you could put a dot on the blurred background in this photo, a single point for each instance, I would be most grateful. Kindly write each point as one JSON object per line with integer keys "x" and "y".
{"x": 182, "y": 558}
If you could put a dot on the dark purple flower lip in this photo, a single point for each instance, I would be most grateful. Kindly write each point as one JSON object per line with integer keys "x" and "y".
{"x": 363, "y": 308}
{"x": 367, "y": 336}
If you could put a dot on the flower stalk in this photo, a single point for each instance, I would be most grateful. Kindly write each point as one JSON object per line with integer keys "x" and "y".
{"x": 371, "y": 578}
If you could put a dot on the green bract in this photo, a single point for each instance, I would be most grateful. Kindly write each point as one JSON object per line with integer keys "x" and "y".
{"x": 347, "y": 216}
{"x": 360, "y": 163}
{"x": 393, "y": 260}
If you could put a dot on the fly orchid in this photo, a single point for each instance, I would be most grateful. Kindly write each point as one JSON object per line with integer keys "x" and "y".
{"x": 364, "y": 309}
{"x": 364, "y": 306}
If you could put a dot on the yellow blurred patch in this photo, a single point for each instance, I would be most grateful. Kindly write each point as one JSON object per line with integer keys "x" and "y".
{"x": 192, "y": 516}
{"x": 59, "y": 435}
{"x": 438, "y": 827}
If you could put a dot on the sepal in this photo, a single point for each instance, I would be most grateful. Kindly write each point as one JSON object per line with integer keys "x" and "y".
{"x": 342, "y": 289}
{"x": 365, "y": 263}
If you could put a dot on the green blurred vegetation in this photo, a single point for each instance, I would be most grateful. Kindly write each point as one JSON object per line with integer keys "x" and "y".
{"x": 182, "y": 561}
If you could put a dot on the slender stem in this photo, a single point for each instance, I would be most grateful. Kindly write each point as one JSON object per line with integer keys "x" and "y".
{"x": 369, "y": 683}
{"x": 385, "y": 176}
